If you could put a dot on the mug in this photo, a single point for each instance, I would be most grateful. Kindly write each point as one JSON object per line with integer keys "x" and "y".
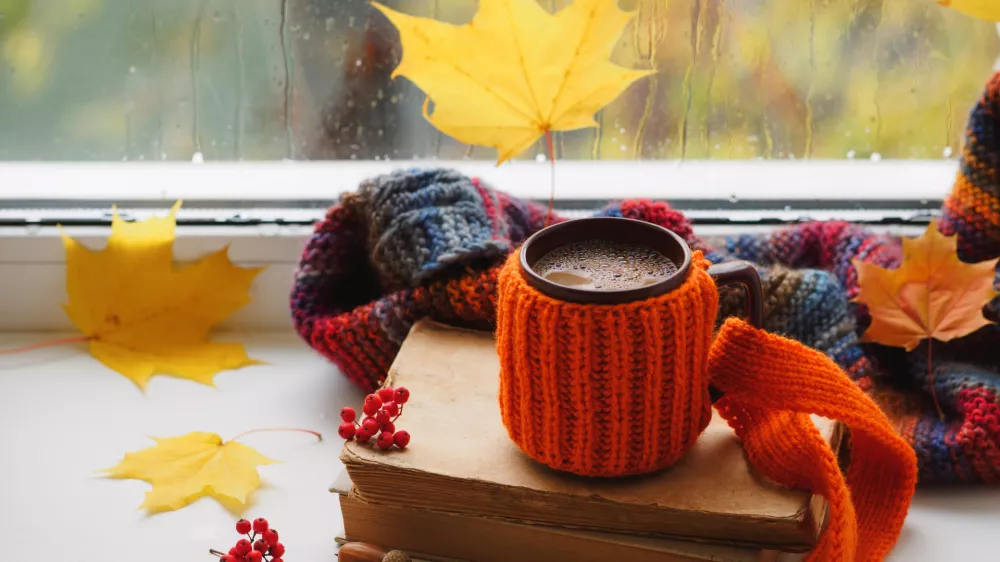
{"x": 613, "y": 382}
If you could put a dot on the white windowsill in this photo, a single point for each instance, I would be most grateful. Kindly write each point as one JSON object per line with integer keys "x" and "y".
{"x": 68, "y": 416}
{"x": 273, "y": 181}
{"x": 69, "y": 409}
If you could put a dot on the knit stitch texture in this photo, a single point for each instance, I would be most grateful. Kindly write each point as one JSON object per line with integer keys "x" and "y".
{"x": 355, "y": 307}
{"x": 607, "y": 390}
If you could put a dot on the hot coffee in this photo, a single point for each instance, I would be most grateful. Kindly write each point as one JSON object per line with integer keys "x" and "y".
{"x": 604, "y": 265}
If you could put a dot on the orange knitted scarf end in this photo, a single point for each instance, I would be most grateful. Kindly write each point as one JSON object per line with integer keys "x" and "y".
{"x": 771, "y": 385}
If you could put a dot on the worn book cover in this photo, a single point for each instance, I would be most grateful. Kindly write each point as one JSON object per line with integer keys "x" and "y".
{"x": 460, "y": 460}
{"x": 434, "y": 535}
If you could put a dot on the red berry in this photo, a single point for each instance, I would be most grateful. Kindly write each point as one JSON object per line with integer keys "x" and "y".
{"x": 260, "y": 545}
{"x": 255, "y": 556}
{"x": 234, "y": 553}
{"x": 363, "y": 437}
{"x": 400, "y": 395}
{"x": 348, "y": 414}
{"x": 242, "y": 526}
{"x": 259, "y": 525}
{"x": 227, "y": 558}
{"x": 346, "y": 431}
{"x": 369, "y": 408}
{"x": 401, "y": 438}
{"x": 383, "y": 417}
{"x": 391, "y": 407}
{"x": 271, "y": 537}
{"x": 373, "y": 399}
{"x": 370, "y": 426}
{"x": 385, "y": 394}
{"x": 388, "y": 427}
{"x": 242, "y": 547}
{"x": 384, "y": 440}
{"x": 278, "y": 549}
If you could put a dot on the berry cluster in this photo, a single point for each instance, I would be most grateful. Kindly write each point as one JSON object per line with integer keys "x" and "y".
{"x": 381, "y": 409}
{"x": 261, "y": 543}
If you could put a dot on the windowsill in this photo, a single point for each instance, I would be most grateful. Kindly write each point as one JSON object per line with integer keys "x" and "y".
{"x": 263, "y": 182}
{"x": 72, "y": 416}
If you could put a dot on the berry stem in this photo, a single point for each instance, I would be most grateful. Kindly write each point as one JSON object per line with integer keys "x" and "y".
{"x": 399, "y": 414}
{"x": 216, "y": 552}
{"x": 48, "y": 343}
{"x": 317, "y": 434}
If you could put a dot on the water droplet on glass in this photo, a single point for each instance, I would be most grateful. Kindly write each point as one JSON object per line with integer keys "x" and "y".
{"x": 624, "y": 148}
{"x": 788, "y": 207}
{"x": 357, "y": 62}
{"x": 131, "y": 69}
{"x": 734, "y": 199}
{"x": 851, "y": 153}
{"x": 622, "y": 130}
{"x": 197, "y": 158}
{"x": 540, "y": 158}
{"x": 306, "y": 36}
{"x": 946, "y": 152}
{"x": 876, "y": 157}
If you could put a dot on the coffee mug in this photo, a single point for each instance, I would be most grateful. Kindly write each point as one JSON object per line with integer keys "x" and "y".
{"x": 610, "y": 382}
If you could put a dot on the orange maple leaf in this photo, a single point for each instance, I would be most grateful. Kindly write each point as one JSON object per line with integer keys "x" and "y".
{"x": 933, "y": 294}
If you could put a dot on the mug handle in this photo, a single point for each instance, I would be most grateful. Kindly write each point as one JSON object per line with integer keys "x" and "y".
{"x": 741, "y": 272}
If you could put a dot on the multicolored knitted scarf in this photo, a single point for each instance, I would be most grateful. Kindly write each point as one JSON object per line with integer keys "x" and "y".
{"x": 429, "y": 243}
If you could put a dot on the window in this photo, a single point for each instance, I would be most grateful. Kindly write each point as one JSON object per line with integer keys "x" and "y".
{"x": 113, "y": 80}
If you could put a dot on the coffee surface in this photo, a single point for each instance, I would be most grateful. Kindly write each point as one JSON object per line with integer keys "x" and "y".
{"x": 603, "y": 265}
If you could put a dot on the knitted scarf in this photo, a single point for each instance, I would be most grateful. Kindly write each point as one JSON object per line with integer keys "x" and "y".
{"x": 429, "y": 243}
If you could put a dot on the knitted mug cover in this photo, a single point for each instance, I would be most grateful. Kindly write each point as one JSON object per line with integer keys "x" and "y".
{"x": 605, "y": 390}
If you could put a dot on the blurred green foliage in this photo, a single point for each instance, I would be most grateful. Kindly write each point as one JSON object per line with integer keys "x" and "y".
{"x": 271, "y": 79}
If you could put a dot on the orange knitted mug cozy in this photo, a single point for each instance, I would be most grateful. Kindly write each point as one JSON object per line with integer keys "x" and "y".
{"x": 605, "y": 390}
{"x": 618, "y": 389}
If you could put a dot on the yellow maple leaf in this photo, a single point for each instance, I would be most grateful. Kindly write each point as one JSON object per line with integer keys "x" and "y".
{"x": 143, "y": 314}
{"x": 185, "y": 468}
{"x": 988, "y": 10}
{"x": 932, "y": 294}
{"x": 515, "y": 72}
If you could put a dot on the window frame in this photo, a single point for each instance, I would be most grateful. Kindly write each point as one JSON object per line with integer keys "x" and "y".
{"x": 264, "y": 212}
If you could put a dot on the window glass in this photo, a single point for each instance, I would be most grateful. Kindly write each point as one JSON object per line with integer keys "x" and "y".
{"x": 310, "y": 79}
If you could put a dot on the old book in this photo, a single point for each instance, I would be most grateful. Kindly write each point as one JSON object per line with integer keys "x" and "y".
{"x": 434, "y": 535}
{"x": 461, "y": 461}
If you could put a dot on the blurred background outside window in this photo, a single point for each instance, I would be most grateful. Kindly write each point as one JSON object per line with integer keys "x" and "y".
{"x": 113, "y": 80}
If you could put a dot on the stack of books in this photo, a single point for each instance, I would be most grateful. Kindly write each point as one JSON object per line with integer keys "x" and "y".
{"x": 463, "y": 491}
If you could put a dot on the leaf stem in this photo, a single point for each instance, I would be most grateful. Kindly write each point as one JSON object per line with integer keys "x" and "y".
{"x": 48, "y": 343}
{"x": 930, "y": 380}
{"x": 552, "y": 176}
{"x": 309, "y": 431}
